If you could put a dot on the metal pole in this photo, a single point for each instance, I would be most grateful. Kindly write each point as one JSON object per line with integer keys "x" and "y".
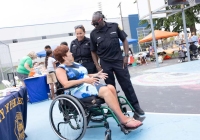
{"x": 153, "y": 34}
{"x": 1, "y": 71}
{"x": 9, "y": 55}
{"x": 11, "y": 59}
{"x": 121, "y": 15}
{"x": 185, "y": 32}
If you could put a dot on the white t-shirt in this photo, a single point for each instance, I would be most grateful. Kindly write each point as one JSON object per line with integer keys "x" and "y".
{"x": 50, "y": 67}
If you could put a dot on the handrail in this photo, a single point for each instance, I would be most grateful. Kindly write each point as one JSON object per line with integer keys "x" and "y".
{"x": 7, "y": 69}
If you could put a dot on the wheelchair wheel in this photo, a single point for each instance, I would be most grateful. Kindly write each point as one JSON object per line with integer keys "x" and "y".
{"x": 108, "y": 136}
{"x": 67, "y": 118}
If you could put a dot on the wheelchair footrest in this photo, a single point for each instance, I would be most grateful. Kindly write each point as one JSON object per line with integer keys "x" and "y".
{"x": 123, "y": 129}
{"x": 127, "y": 130}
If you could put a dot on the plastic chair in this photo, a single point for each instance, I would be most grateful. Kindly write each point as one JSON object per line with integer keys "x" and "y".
{"x": 6, "y": 83}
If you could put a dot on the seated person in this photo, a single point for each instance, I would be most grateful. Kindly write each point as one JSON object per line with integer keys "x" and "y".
{"x": 71, "y": 74}
{"x": 160, "y": 58}
{"x": 35, "y": 64}
{"x": 37, "y": 67}
{"x": 182, "y": 51}
{"x": 141, "y": 59}
{"x": 183, "y": 47}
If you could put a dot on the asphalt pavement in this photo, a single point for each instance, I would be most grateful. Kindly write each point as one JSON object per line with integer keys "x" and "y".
{"x": 170, "y": 88}
{"x": 168, "y": 94}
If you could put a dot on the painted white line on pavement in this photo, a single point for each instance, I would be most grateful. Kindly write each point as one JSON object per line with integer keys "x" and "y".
{"x": 178, "y": 114}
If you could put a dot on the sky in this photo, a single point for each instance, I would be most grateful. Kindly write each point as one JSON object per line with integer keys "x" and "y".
{"x": 30, "y": 12}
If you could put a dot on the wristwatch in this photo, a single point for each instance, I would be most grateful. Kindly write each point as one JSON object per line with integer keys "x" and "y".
{"x": 126, "y": 55}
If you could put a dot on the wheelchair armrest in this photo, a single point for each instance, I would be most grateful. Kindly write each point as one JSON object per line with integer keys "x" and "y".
{"x": 59, "y": 89}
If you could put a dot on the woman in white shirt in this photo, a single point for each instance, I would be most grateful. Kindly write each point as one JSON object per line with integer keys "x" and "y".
{"x": 50, "y": 65}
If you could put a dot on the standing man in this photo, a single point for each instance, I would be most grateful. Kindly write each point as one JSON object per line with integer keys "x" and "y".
{"x": 47, "y": 47}
{"x": 195, "y": 39}
{"x": 105, "y": 43}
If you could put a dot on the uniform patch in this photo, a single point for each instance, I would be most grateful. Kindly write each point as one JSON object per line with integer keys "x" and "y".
{"x": 98, "y": 37}
{"x": 113, "y": 33}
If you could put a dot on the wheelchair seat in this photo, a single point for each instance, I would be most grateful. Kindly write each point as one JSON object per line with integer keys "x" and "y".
{"x": 87, "y": 102}
{"x": 92, "y": 101}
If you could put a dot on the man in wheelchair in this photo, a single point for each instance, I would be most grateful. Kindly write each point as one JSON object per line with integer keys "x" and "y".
{"x": 71, "y": 74}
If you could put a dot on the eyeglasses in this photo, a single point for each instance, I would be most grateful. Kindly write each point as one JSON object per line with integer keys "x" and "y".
{"x": 96, "y": 23}
{"x": 78, "y": 26}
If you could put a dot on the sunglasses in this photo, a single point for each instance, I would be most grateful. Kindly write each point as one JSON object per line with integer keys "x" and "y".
{"x": 96, "y": 23}
{"x": 78, "y": 26}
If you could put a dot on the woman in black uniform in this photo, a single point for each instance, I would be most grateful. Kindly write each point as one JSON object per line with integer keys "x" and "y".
{"x": 80, "y": 48}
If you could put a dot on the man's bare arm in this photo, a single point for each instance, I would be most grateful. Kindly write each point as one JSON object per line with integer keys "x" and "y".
{"x": 95, "y": 59}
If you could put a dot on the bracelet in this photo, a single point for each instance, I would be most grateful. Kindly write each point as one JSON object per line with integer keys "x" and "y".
{"x": 126, "y": 55}
{"x": 97, "y": 65}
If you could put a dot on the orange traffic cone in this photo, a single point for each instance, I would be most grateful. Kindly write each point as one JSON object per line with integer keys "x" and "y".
{"x": 130, "y": 60}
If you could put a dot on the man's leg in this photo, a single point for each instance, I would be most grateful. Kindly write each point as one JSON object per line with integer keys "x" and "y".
{"x": 123, "y": 77}
{"x": 107, "y": 68}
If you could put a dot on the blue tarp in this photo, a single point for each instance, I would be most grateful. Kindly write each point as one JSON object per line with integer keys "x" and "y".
{"x": 130, "y": 41}
{"x": 43, "y": 53}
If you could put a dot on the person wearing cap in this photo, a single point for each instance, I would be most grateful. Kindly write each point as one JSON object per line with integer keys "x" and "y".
{"x": 25, "y": 66}
{"x": 80, "y": 48}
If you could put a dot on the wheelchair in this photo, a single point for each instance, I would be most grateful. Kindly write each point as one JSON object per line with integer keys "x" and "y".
{"x": 70, "y": 116}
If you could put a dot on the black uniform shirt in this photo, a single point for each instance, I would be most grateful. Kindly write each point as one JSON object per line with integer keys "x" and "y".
{"x": 81, "y": 49}
{"x": 105, "y": 42}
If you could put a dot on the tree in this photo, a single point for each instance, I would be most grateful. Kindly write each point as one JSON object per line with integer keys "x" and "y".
{"x": 175, "y": 21}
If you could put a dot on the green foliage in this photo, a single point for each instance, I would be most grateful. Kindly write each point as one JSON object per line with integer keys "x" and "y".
{"x": 191, "y": 16}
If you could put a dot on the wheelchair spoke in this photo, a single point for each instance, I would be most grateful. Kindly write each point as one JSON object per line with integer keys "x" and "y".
{"x": 67, "y": 120}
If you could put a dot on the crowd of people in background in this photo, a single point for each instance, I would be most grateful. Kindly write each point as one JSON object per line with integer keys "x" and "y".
{"x": 85, "y": 53}
{"x": 194, "y": 49}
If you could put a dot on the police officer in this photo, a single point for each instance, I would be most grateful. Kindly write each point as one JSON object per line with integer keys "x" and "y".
{"x": 80, "y": 48}
{"x": 105, "y": 43}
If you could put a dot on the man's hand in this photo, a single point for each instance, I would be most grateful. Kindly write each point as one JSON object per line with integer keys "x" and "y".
{"x": 102, "y": 75}
{"x": 125, "y": 62}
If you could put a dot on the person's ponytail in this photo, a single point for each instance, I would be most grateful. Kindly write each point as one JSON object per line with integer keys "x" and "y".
{"x": 48, "y": 53}
{"x": 46, "y": 61}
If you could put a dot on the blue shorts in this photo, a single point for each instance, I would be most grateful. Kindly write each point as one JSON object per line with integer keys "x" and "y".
{"x": 99, "y": 86}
